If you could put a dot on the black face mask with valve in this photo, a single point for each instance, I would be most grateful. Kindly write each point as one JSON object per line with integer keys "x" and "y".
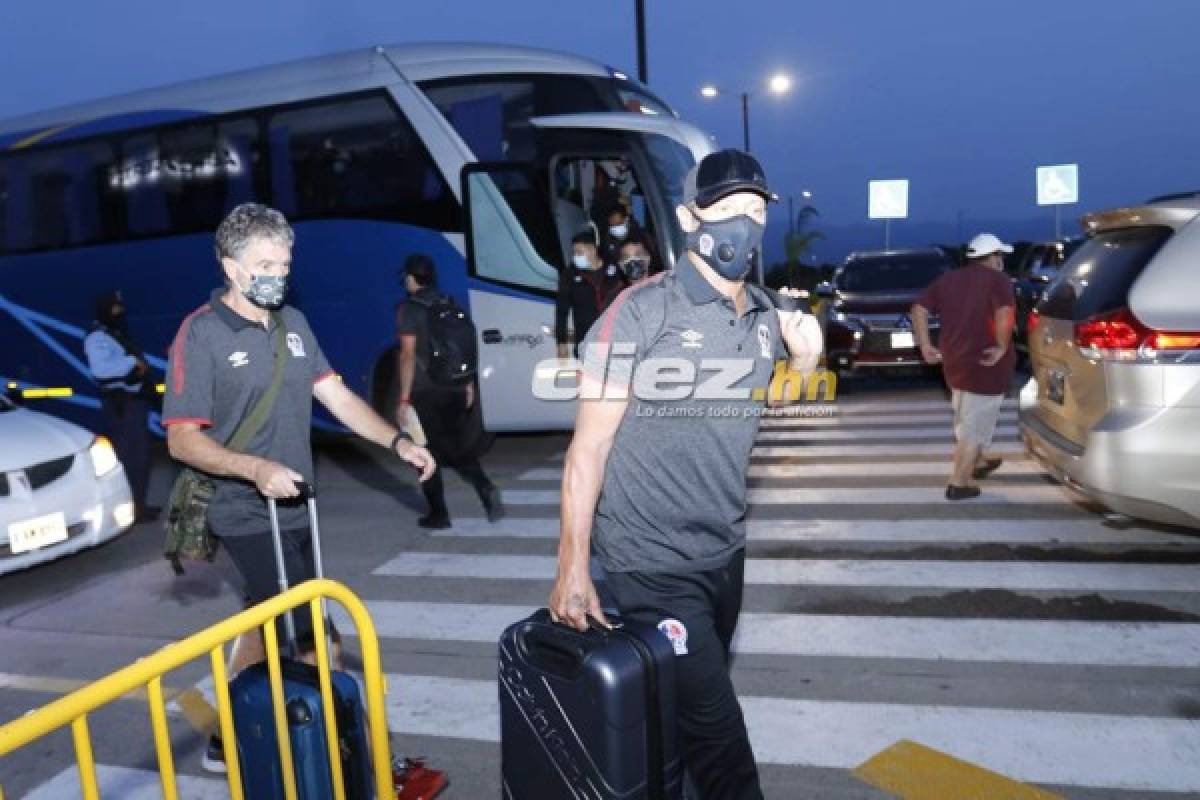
{"x": 730, "y": 246}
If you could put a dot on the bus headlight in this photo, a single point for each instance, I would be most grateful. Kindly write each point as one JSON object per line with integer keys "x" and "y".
{"x": 104, "y": 457}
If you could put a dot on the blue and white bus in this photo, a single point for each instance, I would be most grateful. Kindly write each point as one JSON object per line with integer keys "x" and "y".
{"x": 485, "y": 157}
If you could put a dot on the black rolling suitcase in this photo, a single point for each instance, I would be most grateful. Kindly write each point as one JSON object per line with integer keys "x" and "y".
{"x": 587, "y": 715}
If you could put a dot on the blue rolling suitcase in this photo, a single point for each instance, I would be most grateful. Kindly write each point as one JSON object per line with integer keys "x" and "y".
{"x": 587, "y": 715}
{"x": 254, "y": 719}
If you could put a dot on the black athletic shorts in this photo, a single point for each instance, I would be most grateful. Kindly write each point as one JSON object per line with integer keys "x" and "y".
{"x": 253, "y": 556}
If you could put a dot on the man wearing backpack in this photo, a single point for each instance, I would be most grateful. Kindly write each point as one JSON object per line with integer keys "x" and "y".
{"x": 437, "y": 360}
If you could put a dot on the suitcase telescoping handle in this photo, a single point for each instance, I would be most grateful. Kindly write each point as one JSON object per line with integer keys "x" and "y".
{"x": 309, "y": 493}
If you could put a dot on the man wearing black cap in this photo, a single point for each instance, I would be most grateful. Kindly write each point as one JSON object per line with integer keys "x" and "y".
{"x": 119, "y": 369}
{"x": 654, "y": 481}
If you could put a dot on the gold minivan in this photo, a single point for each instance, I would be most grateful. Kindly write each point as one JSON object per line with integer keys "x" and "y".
{"x": 1115, "y": 352}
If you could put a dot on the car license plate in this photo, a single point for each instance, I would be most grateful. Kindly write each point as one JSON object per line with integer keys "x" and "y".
{"x": 1056, "y": 386}
{"x": 903, "y": 341}
{"x": 33, "y": 534}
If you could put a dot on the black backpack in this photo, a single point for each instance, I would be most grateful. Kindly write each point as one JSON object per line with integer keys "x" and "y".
{"x": 453, "y": 356}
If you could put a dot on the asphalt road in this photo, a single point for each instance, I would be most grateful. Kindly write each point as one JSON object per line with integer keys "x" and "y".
{"x": 1015, "y": 632}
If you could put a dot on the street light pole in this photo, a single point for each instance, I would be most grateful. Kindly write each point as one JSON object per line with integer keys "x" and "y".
{"x": 746, "y": 121}
{"x": 780, "y": 84}
{"x": 791, "y": 237}
{"x": 643, "y": 69}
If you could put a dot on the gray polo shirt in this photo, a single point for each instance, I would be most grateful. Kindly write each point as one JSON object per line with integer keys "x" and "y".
{"x": 220, "y": 364}
{"x": 674, "y": 494}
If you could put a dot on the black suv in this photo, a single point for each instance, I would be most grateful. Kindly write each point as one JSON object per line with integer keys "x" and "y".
{"x": 867, "y": 322}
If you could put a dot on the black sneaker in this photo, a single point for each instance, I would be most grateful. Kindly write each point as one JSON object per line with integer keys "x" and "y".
{"x": 435, "y": 522}
{"x": 989, "y": 466}
{"x": 493, "y": 505}
{"x": 961, "y": 492}
{"x": 213, "y": 759}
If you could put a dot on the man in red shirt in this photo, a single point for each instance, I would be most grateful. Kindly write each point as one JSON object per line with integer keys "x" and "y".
{"x": 975, "y": 304}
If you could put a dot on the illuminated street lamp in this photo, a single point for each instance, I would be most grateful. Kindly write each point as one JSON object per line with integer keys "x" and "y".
{"x": 778, "y": 84}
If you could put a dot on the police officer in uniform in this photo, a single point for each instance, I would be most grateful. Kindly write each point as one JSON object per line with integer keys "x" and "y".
{"x": 120, "y": 370}
{"x": 654, "y": 484}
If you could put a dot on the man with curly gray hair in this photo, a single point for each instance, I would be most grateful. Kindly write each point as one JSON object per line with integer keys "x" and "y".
{"x": 221, "y": 363}
{"x": 251, "y": 221}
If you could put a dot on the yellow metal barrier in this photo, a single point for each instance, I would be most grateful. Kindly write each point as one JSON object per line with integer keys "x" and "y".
{"x": 73, "y": 709}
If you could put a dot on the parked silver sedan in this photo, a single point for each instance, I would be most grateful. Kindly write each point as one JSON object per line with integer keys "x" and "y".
{"x": 1115, "y": 351}
{"x": 62, "y": 489}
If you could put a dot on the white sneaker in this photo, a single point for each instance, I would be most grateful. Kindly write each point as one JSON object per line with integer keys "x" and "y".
{"x": 213, "y": 759}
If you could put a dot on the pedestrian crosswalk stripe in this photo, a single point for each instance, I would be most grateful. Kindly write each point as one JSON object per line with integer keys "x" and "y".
{"x": 879, "y": 468}
{"x": 1048, "y": 533}
{"x": 878, "y": 450}
{"x": 1041, "y": 746}
{"x": 992, "y": 494}
{"x": 856, "y": 421}
{"x": 1136, "y": 753}
{"x": 1009, "y": 575}
{"x": 1141, "y": 644}
{"x": 852, "y": 435}
{"x": 1051, "y": 747}
{"x": 893, "y": 407}
{"x": 129, "y": 784}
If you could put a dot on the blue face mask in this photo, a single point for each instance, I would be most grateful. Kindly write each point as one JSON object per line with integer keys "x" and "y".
{"x": 728, "y": 246}
{"x": 266, "y": 291}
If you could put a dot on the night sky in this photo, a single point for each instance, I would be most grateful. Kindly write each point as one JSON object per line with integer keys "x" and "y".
{"x": 962, "y": 98}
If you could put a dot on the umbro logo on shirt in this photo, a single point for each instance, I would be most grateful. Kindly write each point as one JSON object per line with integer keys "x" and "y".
{"x": 692, "y": 338}
{"x": 239, "y": 359}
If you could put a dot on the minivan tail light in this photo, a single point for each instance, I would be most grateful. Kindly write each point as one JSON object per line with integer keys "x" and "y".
{"x": 1031, "y": 322}
{"x": 1120, "y": 336}
{"x": 1119, "y": 330}
{"x": 1174, "y": 341}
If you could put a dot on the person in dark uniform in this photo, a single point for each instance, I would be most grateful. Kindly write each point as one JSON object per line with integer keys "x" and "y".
{"x": 449, "y": 415}
{"x": 635, "y": 258}
{"x": 620, "y": 225}
{"x": 654, "y": 484}
{"x": 585, "y": 288}
{"x": 119, "y": 369}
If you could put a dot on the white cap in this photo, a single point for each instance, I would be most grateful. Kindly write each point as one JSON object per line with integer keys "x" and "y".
{"x": 985, "y": 244}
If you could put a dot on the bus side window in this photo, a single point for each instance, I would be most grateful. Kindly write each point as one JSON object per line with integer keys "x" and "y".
{"x": 140, "y": 176}
{"x": 193, "y": 177}
{"x": 67, "y": 197}
{"x": 357, "y": 158}
{"x": 239, "y": 153}
{"x": 4, "y": 203}
{"x": 512, "y": 238}
{"x": 207, "y": 170}
{"x": 16, "y": 205}
{"x": 48, "y": 190}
